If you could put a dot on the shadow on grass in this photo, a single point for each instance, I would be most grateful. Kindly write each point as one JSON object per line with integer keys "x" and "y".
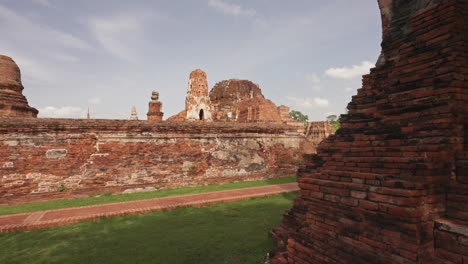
{"x": 221, "y": 233}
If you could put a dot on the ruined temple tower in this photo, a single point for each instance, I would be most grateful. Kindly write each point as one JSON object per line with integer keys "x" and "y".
{"x": 13, "y": 103}
{"x": 155, "y": 107}
{"x": 134, "y": 115}
{"x": 197, "y": 103}
{"x": 391, "y": 186}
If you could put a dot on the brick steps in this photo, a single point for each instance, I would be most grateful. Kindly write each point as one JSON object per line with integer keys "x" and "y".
{"x": 451, "y": 244}
{"x": 68, "y": 216}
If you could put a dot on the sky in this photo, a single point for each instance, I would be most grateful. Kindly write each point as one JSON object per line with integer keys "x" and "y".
{"x": 109, "y": 55}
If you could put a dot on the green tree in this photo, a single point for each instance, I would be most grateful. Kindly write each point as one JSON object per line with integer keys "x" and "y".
{"x": 335, "y": 125}
{"x": 331, "y": 118}
{"x": 298, "y": 116}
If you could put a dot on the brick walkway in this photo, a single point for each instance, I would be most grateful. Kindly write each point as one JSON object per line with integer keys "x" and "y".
{"x": 68, "y": 216}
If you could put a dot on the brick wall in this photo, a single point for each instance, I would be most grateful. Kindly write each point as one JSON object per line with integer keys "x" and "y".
{"x": 41, "y": 157}
{"x": 390, "y": 186}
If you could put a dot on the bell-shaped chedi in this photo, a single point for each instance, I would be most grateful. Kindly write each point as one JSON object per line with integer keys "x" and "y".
{"x": 13, "y": 103}
{"x": 155, "y": 107}
{"x": 197, "y": 103}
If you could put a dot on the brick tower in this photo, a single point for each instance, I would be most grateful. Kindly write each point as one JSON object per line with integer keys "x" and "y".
{"x": 391, "y": 186}
{"x": 197, "y": 103}
{"x": 155, "y": 107}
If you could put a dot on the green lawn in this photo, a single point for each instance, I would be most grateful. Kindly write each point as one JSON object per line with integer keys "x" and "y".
{"x": 222, "y": 233}
{"x": 107, "y": 198}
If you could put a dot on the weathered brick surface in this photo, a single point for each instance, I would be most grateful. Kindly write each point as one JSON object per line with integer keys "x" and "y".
{"x": 54, "y": 158}
{"x": 377, "y": 191}
{"x": 155, "y": 108}
{"x": 318, "y": 131}
{"x": 227, "y": 94}
{"x": 197, "y": 103}
{"x": 12, "y": 101}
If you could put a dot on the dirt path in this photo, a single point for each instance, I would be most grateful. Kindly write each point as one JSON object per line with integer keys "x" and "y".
{"x": 68, "y": 216}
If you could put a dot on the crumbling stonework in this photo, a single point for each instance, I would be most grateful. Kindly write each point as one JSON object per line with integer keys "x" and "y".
{"x": 197, "y": 103}
{"x": 155, "y": 108}
{"x": 12, "y": 101}
{"x": 237, "y": 101}
{"x": 243, "y": 101}
{"x": 258, "y": 109}
{"x": 40, "y": 157}
{"x": 318, "y": 131}
{"x": 226, "y": 95}
{"x": 391, "y": 185}
{"x": 288, "y": 120}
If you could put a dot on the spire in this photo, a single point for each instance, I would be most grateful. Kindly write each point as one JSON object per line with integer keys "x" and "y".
{"x": 134, "y": 115}
{"x": 88, "y": 116}
{"x": 155, "y": 107}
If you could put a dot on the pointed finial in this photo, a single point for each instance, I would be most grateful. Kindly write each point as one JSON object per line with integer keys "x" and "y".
{"x": 134, "y": 115}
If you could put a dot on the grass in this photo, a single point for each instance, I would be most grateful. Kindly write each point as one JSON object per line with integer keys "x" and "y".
{"x": 221, "y": 233}
{"x": 107, "y": 198}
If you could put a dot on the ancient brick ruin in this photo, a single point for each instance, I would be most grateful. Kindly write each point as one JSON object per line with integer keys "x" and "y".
{"x": 155, "y": 108}
{"x": 226, "y": 95}
{"x": 392, "y": 185}
{"x": 242, "y": 101}
{"x": 12, "y": 101}
{"x": 197, "y": 103}
{"x": 317, "y": 131}
{"x": 232, "y": 101}
{"x": 40, "y": 157}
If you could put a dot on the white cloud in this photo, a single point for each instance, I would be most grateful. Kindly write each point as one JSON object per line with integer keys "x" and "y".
{"x": 64, "y": 57}
{"x": 349, "y": 89}
{"x": 313, "y": 81}
{"x": 312, "y": 77}
{"x": 320, "y": 101}
{"x": 308, "y": 102}
{"x": 62, "y": 112}
{"x": 231, "y": 9}
{"x": 350, "y": 72}
{"x": 95, "y": 101}
{"x": 33, "y": 70}
{"x": 43, "y": 2}
{"x": 21, "y": 29}
{"x": 120, "y": 35}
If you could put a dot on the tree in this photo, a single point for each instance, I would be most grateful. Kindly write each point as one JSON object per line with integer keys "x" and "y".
{"x": 298, "y": 116}
{"x": 335, "y": 125}
{"x": 331, "y": 118}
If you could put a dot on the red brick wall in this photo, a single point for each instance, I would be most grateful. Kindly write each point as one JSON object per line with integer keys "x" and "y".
{"x": 318, "y": 131}
{"x": 378, "y": 189}
{"x": 40, "y": 156}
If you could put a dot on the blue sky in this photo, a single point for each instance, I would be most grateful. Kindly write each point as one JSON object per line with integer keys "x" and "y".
{"x": 110, "y": 54}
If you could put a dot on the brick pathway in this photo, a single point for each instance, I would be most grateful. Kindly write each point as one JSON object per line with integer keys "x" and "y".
{"x": 67, "y": 216}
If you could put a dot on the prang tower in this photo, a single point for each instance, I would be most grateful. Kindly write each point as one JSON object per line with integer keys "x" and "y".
{"x": 197, "y": 102}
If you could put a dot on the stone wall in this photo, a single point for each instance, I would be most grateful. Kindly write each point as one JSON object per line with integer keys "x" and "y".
{"x": 390, "y": 186}
{"x": 53, "y": 158}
